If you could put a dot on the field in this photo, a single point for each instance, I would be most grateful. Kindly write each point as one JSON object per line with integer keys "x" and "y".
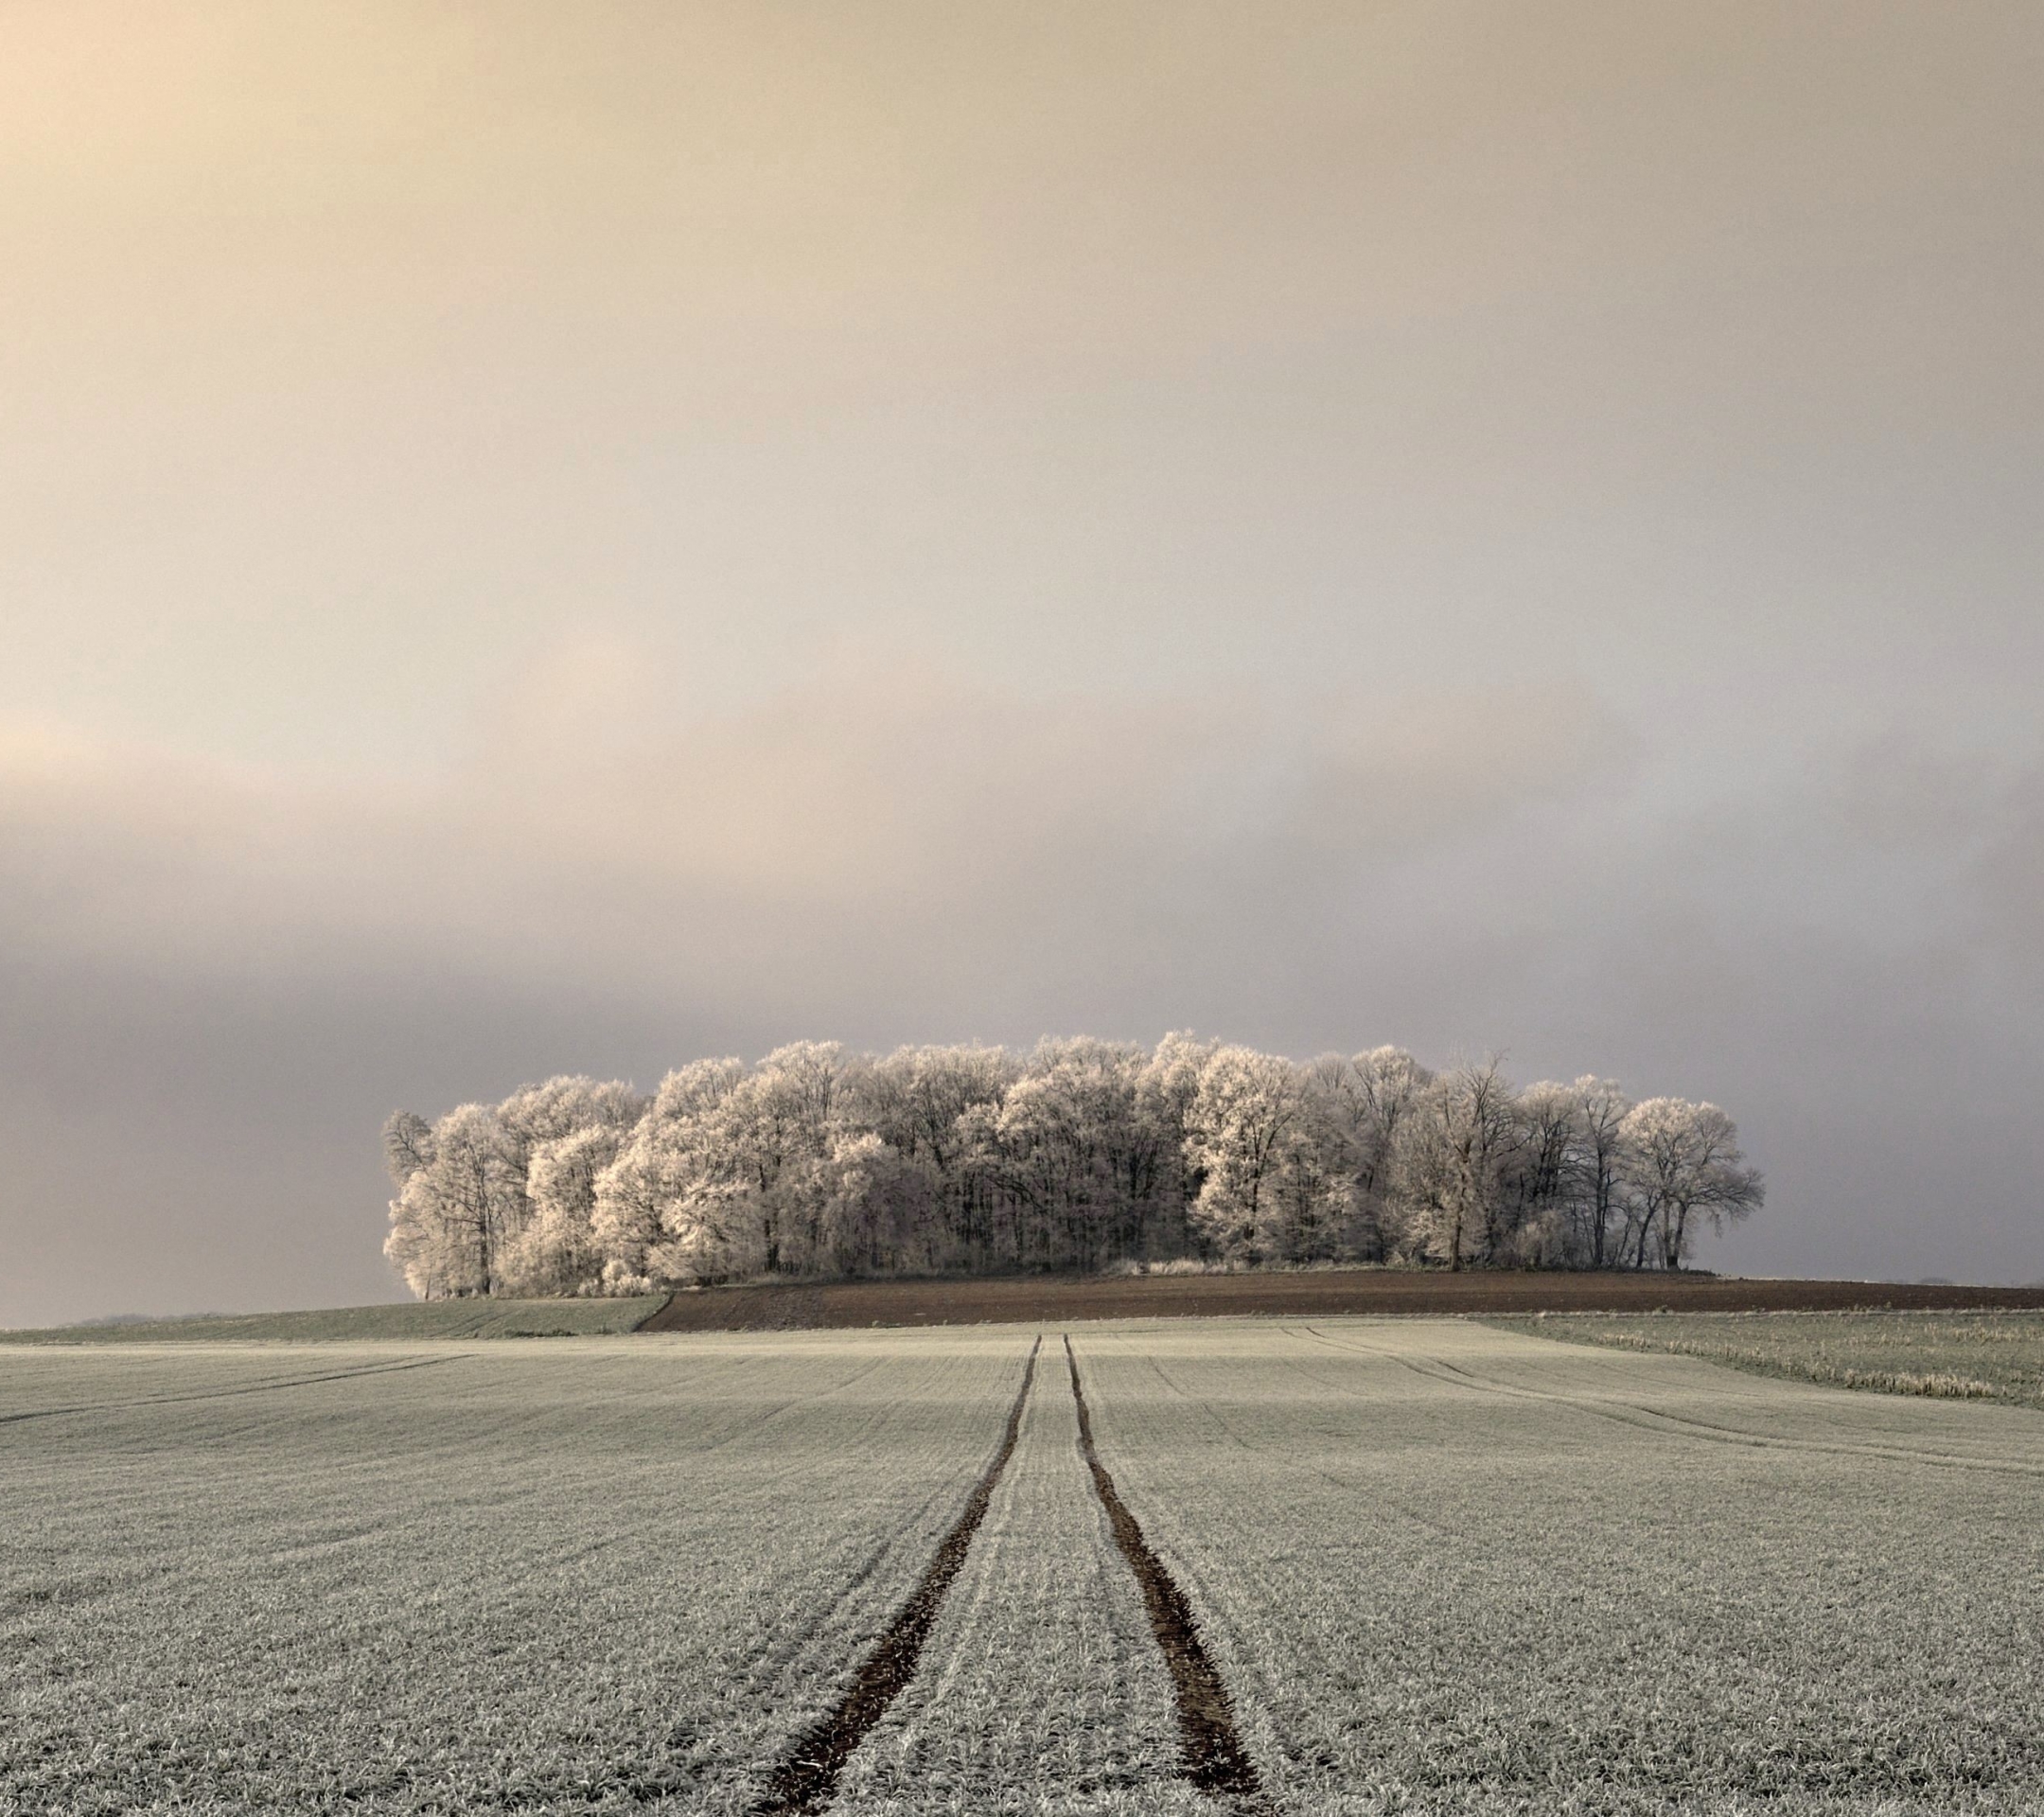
{"x": 414, "y": 1320}
{"x": 1316, "y": 1292}
{"x": 1447, "y": 1568}
{"x": 1431, "y": 1566}
{"x": 568, "y": 1575}
{"x": 1965, "y": 1356}
{"x": 1053, "y": 1300}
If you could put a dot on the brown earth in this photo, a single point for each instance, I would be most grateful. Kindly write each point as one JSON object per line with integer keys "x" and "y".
{"x": 1058, "y": 1299}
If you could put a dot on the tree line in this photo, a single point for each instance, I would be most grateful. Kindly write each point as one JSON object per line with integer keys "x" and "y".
{"x": 1083, "y": 1154}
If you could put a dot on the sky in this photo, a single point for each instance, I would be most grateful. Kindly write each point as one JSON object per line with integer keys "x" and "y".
{"x": 541, "y": 539}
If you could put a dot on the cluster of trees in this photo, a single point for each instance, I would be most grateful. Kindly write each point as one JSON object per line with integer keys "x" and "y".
{"x": 1081, "y": 1156}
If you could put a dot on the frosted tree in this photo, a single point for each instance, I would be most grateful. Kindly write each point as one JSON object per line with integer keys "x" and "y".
{"x": 1080, "y": 1154}
{"x": 914, "y": 1097}
{"x": 1450, "y": 1162}
{"x": 457, "y": 1207}
{"x": 774, "y": 1131}
{"x": 659, "y": 1213}
{"x": 881, "y": 1210}
{"x": 1312, "y": 1198}
{"x": 1682, "y": 1164}
{"x": 1598, "y": 1160}
{"x": 572, "y": 1127}
{"x": 408, "y": 1145}
{"x": 726, "y": 1175}
{"x": 558, "y": 1252}
{"x": 1072, "y": 1147}
{"x": 1546, "y": 1177}
{"x": 1362, "y": 1103}
{"x": 1167, "y": 1091}
{"x": 1238, "y": 1129}
{"x": 929, "y": 1104}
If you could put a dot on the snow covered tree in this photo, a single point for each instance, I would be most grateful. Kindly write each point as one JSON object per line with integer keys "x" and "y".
{"x": 1681, "y": 1164}
{"x": 1080, "y": 1154}
{"x": 1361, "y": 1104}
{"x": 557, "y": 1252}
{"x": 1449, "y": 1164}
{"x": 1238, "y": 1133}
{"x": 457, "y": 1207}
{"x": 659, "y": 1214}
{"x": 1601, "y": 1111}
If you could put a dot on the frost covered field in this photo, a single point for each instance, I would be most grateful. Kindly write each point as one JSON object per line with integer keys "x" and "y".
{"x": 1963, "y": 1356}
{"x": 1437, "y": 1567}
{"x": 1453, "y": 1569}
{"x": 423, "y": 1318}
{"x": 564, "y": 1575}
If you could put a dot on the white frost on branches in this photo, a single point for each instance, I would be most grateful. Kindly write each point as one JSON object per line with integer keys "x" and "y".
{"x": 1082, "y": 1155}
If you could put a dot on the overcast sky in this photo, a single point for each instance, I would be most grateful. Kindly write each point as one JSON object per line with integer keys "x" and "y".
{"x": 542, "y": 537}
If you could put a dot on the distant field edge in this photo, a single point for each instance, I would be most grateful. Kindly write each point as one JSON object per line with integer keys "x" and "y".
{"x": 782, "y": 1306}
{"x": 845, "y": 1305}
{"x": 411, "y": 1319}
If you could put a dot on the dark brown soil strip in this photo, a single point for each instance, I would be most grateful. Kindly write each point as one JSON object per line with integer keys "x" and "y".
{"x": 656, "y": 1313}
{"x": 1049, "y": 1299}
{"x": 1215, "y": 1760}
{"x": 809, "y": 1775}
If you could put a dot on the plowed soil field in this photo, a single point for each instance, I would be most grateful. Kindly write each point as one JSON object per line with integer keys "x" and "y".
{"x": 1060, "y": 1300}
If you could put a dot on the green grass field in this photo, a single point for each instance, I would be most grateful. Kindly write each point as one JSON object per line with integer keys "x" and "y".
{"x": 411, "y": 1319}
{"x": 1439, "y": 1567}
{"x": 1976, "y": 1356}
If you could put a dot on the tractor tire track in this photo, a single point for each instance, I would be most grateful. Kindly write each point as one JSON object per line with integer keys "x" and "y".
{"x": 809, "y": 1775}
{"x": 1216, "y": 1761}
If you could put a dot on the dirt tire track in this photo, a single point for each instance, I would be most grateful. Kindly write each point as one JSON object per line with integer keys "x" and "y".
{"x": 809, "y": 1775}
{"x": 1216, "y": 1761}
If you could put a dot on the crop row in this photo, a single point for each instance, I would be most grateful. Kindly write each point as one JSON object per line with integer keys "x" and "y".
{"x": 1431, "y": 1566}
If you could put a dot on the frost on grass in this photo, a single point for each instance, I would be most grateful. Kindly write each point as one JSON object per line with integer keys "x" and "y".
{"x": 1440, "y": 1568}
{"x": 1955, "y": 1356}
{"x": 1041, "y": 1690}
{"x": 1445, "y": 1570}
{"x": 421, "y": 1319}
{"x": 612, "y": 1576}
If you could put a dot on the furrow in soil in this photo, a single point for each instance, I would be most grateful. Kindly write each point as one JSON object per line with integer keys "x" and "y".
{"x": 1041, "y": 1692}
{"x": 808, "y": 1777}
{"x": 1215, "y": 1758}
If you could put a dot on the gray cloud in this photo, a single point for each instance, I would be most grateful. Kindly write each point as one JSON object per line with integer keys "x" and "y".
{"x": 654, "y": 530}
{"x": 221, "y": 979}
{"x": 589, "y": 836}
